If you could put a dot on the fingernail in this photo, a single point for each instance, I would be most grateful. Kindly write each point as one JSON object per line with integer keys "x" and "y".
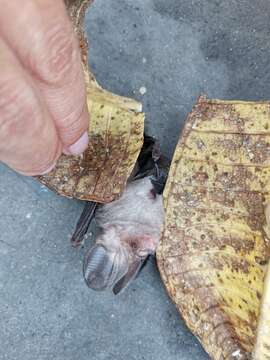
{"x": 79, "y": 146}
{"x": 50, "y": 168}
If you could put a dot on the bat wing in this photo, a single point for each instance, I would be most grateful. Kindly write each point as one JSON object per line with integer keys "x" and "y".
{"x": 83, "y": 223}
{"x": 133, "y": 271}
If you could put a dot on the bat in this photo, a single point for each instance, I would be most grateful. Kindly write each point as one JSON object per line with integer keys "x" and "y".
{"x": 129, "y": 228}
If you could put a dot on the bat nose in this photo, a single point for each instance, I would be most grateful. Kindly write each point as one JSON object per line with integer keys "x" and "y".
{"x": 97, "y": 268}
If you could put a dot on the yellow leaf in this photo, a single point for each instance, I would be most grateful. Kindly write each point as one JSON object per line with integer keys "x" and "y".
{"x": 214, "y": 248}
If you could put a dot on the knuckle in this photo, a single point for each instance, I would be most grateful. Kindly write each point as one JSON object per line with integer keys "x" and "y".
{"x": 56, "y": 56}
{"x": 17, "y": 106}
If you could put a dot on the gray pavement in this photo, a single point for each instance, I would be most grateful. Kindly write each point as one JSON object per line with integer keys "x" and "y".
{"x": 176, "y": 49}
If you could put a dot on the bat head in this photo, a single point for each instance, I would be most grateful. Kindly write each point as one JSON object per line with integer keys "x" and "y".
{"x": 115, "y": 259}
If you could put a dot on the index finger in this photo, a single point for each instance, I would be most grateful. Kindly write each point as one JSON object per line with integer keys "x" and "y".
{"x": 45, "y": 43}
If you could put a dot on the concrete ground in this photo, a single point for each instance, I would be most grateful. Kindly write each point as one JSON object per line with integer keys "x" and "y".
{"x": 176, "y": 49}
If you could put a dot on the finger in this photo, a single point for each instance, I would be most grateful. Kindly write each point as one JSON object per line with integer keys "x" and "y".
{"x": 28, "y": 138}
{"x": 48, "y": 47}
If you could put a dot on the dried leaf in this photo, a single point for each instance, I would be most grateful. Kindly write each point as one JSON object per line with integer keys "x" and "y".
{"x": 213, "y": 252}
{"x": 115, "y": 132}
{"x": 262, "y": 345}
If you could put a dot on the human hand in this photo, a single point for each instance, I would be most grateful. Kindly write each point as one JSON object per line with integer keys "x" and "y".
{"x": 43, "y": 109}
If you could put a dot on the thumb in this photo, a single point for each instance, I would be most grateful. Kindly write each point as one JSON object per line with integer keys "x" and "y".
{"x": 49, "y": 51}
{"x": 29, "y": 142}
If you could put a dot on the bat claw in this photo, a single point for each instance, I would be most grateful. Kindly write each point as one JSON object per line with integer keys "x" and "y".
{"x": 156, "y": 152}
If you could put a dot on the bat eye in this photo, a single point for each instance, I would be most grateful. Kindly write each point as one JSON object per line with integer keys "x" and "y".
{"x": 134, "y": 245}
{"x": 152, "y": 194}
{"x": 97, "y": 268}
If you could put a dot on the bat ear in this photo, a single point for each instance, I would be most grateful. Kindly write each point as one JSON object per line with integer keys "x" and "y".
{"x": 102, "y": 268}
{"x": 133, "y": 271}
{"x": 97, "y": 268}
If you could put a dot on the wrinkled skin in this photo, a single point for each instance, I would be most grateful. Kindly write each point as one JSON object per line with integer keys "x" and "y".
{"x": 43, "y": 109}
{"x": 130, "y": 232}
